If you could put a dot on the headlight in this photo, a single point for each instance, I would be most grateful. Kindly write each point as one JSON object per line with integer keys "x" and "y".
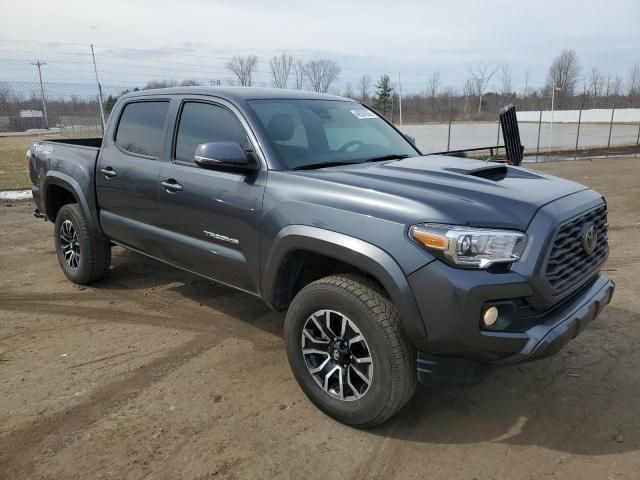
{"x": 470, "y": 247}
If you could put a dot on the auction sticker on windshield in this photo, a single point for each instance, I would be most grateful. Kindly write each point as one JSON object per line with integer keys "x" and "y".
{"x": 362, "y": 114}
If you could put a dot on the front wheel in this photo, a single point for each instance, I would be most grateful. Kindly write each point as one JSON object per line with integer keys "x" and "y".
{"x": 83, "y": 256}
{"x": 347, "y": 350}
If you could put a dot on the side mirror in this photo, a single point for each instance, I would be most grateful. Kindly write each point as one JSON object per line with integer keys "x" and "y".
{"x": 223, "y": 156}
{"x": 411, "y": 138}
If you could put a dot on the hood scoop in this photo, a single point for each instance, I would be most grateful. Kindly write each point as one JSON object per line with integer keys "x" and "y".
{"x": 490, "y": 172}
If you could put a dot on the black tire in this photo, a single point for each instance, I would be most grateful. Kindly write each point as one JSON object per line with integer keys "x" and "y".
{"x": 394, "y": 375}
{"x": 94, "y": 252}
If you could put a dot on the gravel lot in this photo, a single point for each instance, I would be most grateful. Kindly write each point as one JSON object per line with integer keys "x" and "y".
{"x": 155, "y": 373}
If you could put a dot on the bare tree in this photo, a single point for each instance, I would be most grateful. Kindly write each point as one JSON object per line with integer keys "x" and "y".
{"x": 596, "y": 84}
{"x": 616, "y": 86}
{"x": 506, "y": 87}
{"x": 160, "y": 84}
{"x": 190, "y": 82}
{"x": 280, "y": 69}
{"x": 607, "y": 85}
{"x": 348, "y": 90}
{"x": 433, "y": 87}
{"x": 468, "y": 91}
{"x": 364, "y": 84}
{"x": 243, "y": 68}
{"x": 321, "y": 74}
{"x": 563, "y": 76}
{"x": 633, "y": 83}
{"x": 298, "y": 70}
{"x": 481, "y": 73}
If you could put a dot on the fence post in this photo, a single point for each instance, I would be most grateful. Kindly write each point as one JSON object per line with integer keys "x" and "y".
{"x": 449, "y": 133}
{"x": 539, "y": 127}
{"x": 613, "y": 111}
{"x": 578, "y": 134}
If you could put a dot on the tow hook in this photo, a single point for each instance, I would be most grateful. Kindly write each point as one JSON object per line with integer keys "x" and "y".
{"x": 38, "y": 214}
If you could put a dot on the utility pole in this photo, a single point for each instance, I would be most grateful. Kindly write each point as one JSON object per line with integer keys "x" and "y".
{"x": 95, "y": 69}
{"x": 553, "y": 97}
{"x": 39, "y": 64}
{"x": 400, "y": 98}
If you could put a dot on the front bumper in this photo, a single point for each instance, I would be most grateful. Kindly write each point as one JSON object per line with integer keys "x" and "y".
{"x": 563, "y": 324}
{"x": 472, "y": 357}
{"x": 451, "y": 302}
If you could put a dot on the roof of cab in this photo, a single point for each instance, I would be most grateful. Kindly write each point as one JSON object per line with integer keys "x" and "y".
{"x": 239, "y": 93}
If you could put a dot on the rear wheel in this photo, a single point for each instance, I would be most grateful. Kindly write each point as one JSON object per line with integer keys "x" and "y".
{"x": 83, "y": 256}
{"x": 347, "y": 350}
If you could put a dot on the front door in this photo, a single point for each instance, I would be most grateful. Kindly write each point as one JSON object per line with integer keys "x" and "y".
{"x": 211, "y": 218}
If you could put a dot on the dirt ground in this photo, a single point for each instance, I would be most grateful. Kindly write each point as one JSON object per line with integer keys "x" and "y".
{"x": 155, "y": 373}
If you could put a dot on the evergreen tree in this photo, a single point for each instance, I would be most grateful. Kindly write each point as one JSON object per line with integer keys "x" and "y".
{"x": 383, "y": 93}
{"x": 109, "y": 103}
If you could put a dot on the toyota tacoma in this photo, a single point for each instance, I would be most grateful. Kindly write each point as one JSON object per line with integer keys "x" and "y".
{"x": 393, "y": 267}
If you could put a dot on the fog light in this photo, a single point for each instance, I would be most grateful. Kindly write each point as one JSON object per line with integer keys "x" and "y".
{"x": 490, "y": 316}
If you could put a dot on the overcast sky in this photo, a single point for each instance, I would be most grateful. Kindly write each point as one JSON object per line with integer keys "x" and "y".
{"x": 194, "y": 38}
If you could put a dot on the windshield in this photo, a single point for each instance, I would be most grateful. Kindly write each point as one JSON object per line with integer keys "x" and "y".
{"x": 317, "y": 133}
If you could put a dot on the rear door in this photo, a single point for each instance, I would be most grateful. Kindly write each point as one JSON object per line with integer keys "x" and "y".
{"x": 212, "y": 218}
{"x": 127, "y": 176}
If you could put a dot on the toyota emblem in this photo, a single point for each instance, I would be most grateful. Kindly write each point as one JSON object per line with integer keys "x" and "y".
{"x": 589, "y": 238}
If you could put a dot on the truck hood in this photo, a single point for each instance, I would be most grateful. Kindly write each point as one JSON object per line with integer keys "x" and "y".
{"x": 449, "y": 190}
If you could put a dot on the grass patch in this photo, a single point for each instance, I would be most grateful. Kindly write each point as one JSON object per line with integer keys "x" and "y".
{"x": 13, "y": 171}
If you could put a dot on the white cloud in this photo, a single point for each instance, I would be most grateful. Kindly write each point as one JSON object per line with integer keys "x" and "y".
{"x": 414, "y": 37}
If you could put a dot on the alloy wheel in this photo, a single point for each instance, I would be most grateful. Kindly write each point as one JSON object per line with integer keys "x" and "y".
{"x": 69, "y": 244}
{"x": 337, "y": 355}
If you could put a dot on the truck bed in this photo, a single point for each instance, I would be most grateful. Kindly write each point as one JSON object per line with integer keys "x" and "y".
{"x": 78, "y": 142}
{"x": 68, "y": 162}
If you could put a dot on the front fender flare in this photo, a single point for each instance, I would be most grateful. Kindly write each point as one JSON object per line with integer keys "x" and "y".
{"x": 353, "y": 251}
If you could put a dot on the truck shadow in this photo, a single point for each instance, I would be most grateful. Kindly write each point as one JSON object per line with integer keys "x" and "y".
{"x": 583, "y": 401}
{"x": 149, "y": 278}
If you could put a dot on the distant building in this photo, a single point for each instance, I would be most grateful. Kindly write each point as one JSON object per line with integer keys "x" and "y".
{"x": 31, "y": 114}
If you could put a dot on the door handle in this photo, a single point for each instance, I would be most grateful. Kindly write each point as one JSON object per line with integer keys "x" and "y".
{"x": 109, "y": 173}
{"x": 171, "y": 186}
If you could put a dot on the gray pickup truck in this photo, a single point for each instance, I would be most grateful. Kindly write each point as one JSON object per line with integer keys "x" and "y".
{"x": 393, "y": 267}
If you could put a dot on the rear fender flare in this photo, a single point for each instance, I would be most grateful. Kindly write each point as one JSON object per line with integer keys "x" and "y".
{"x": 70, "y": 184}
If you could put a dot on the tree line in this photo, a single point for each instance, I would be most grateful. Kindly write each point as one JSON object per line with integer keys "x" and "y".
{"x": 488, "y": 87}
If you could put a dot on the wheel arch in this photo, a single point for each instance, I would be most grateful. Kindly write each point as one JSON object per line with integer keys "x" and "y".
{"x": 354, "y": 254}
{"x": 59, "y": 189}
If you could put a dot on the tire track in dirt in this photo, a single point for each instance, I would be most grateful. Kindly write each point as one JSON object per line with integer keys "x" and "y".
{"x": 20, "y": 449}
{"x": 251, "y": 320}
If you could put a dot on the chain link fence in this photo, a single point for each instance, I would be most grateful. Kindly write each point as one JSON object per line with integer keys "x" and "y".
{"x": 66, "y": 110}
{"x": 57, "y": 110}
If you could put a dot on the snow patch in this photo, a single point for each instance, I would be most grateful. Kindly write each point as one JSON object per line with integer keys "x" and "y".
{"x": 16, "y": 195}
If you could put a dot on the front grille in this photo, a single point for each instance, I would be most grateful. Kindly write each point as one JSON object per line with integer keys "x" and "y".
{"x": 568, "y": 261}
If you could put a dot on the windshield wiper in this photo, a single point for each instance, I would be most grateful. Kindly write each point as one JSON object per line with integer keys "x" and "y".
{"x": 387, "y": 157}
{"x": 312, "y": 166}
{"x": 381, "y": 158}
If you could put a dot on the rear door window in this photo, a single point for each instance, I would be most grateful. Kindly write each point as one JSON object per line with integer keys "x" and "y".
{"x": 141, "y": 128}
